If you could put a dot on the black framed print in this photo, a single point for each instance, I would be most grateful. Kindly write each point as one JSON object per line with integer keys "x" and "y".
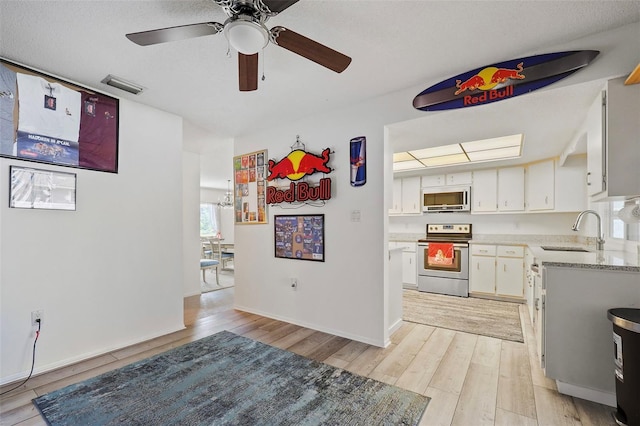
{"x": 49, "y": 120}
{"x": 299, "y": 236}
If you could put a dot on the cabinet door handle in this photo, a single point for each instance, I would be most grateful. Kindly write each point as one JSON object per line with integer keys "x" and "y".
{"x": 588, "y": 174}
{"x": 546, "y": 199}
{"x": 505, "y": 204}
{"x": 504, "y": 268}
{"x": 478, "y": 266}
{"x": 511, "y": 251}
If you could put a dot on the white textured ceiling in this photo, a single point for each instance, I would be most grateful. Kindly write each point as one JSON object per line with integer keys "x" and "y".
{"x": 394, "y": 45}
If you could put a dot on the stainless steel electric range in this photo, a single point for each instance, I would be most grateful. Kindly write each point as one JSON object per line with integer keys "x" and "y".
{"x": 443, "y": 259}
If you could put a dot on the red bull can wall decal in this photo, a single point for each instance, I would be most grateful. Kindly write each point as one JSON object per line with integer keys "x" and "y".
{"x": 358, "y": 149}
{"x": 501, "y": 81}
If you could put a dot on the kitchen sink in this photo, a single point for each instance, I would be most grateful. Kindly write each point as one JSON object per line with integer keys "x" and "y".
{"x": 558, "y": 248}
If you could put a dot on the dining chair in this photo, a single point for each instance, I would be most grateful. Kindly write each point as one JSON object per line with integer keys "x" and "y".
{"x": 208, "y": 263}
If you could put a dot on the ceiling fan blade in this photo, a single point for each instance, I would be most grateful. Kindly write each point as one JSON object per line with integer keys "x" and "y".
{"x": 182, "y": 32}
{"x": 312, "y": 50}
{"x": 278, "y": 6}
{"x": 248, "y": 72}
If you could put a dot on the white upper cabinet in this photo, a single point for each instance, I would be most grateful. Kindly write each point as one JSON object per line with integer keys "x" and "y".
{"x": 541, "y": 186}
{"x": 511, "y": 189}
{"x": 595, "y": 146}
{"x": 396, "y": 203}
{"x": 434, "y": 180}
{"x": 613, "y": 132}
{"x": 462, "y": 178}
{"x": 406, "y": 196}
{"x": 484, "y": 193}
{"x": 411, "y": 195}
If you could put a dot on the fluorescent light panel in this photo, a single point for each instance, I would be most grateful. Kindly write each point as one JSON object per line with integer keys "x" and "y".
{"x": 437, "y": 151}
{"x": 407, "y": 165}
{"x": 495, "y": 154}
{"x": 495, "y": 143}
{"x": 500, "y": 148}
{"x": 402, "y": 156}
{"x": 445, "y": 160}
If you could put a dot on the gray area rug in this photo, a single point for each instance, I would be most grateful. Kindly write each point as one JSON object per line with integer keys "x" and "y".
{"x": 472, "y": 315}
{"x": 226, "y": 379}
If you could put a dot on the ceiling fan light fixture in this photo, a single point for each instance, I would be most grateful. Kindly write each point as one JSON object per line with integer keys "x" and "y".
{"x": 246, "y": 34}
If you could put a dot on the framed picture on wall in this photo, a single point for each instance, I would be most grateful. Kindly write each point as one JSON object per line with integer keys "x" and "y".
{"x": 41, "y": 189}
{"x": 250, "y": 188}
{"x": 299, "y": 236}
{"x": 49, "y": 120}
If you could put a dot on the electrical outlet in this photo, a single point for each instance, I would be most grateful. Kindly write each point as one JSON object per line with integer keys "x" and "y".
{"x": 294, "y": 283}
{"x": 35, "y": 316}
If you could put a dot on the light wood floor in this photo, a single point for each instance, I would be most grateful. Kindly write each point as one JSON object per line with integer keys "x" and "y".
{"x": 472, "y": 380}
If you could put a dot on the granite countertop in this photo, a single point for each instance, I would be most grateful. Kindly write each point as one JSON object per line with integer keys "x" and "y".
{"x": 616, "y": 260}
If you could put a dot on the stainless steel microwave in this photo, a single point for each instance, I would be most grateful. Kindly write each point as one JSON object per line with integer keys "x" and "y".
{"x": 446, "y": 199}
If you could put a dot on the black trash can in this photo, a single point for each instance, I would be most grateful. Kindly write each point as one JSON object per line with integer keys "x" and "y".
{"x": 626, "y": 352}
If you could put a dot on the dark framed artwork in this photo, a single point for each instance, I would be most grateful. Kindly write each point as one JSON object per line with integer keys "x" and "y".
{"x": 299, "y": 236}
{"x": 41, "y": 189}
{"x": 49, "y": 120}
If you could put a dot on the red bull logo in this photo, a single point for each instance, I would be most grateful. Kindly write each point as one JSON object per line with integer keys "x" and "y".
{"x": 298, "y": 164}
{"x": 300, "y": 192}
{"x": 504, "y": 80}
{"x": 485, "y": 80}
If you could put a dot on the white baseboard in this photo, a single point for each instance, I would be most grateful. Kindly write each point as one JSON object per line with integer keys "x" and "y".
{"x": 374, "y": 342}
{"x": 395, "y": 327}
{"x": 600, "y": 397}
{"x": 88, "y": 355}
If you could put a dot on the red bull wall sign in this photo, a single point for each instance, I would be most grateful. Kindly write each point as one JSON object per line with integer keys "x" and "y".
{"x": 296, "y": 165}
{"x": 501, "y": 81}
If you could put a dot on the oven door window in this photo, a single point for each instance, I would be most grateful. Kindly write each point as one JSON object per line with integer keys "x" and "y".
{"x": 444, "y": 198}
{"x": 430, "y": 263}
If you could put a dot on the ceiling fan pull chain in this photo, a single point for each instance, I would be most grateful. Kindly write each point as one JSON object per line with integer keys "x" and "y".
{"x": 228, "y": 49}
{"x": 263, "y": 59}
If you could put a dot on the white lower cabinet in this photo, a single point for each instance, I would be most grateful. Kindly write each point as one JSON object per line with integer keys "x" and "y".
{"x": 483, "y": 274}
{"x": 510, "y": 277}
{"x": 497, "y": 270}
{"x": 409, "y": 269}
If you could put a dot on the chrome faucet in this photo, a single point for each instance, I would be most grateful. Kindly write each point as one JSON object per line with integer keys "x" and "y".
{"x": 600, "y": 238}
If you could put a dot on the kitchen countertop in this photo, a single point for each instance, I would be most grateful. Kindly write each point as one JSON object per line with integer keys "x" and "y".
{"x": 615, "y": 260}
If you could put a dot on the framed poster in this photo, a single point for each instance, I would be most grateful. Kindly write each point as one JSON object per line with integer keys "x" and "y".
{"x": 299, "y": 236}
{"x": 41, "y": 189}
{"x": 48, "y": 120}
{"x": 250, "y": 188}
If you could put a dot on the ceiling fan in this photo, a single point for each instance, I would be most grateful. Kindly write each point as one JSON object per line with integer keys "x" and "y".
{"x": 246, "y": 31}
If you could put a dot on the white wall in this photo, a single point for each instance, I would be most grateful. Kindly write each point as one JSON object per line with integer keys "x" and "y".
{"x": 107, "y": 275}
{"x": 345, "y": 295}
{"x": 191, "y": 223}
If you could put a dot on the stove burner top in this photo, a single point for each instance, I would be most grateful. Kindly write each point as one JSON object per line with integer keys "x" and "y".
{"x": 448, "y": 232}
{"x": 444, "y": 239}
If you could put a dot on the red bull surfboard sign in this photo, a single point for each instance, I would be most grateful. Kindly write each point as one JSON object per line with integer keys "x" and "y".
{"x": 296, "y": 165}
{"x": 501, "y": 81}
